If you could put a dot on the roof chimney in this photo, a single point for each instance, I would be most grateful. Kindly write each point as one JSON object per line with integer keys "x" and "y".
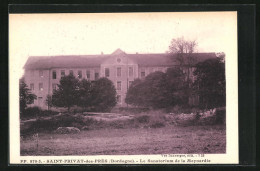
{"x": 102, "y": 53}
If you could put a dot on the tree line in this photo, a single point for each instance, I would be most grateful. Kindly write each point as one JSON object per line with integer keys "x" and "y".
{"x": 175, "y": 87}
{"x": 98, "y": 95}
{"x": 165, "y": 90}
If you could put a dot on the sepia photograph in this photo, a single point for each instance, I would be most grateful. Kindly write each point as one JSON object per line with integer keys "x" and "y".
{"x": 123, "y": 88}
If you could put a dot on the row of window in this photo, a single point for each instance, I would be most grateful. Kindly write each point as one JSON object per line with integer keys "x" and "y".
{"x": 54, "y": 86}
{"x": 79, "y": 75}
{"x": 143, "y": 74}
{"x": 118, "y": 72}
{"x": 62, "y": 73}
{"x": 40, "y": 86}
{"x": 107, "y": 72}
{"x": 118, "y": 85}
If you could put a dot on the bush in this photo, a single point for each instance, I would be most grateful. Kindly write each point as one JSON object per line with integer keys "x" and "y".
{"x": 35, "y": 112}
{"x": 31, "y": 112}
{"x": 53, "y": 123}
{"x": 48, "y": 113}
{"x": 157, "y": 125}
{"x": 143, "y": 119}
{"x": 221, "y": 116}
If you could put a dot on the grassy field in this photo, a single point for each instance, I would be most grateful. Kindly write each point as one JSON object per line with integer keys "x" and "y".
{"x": 130, "y": 141}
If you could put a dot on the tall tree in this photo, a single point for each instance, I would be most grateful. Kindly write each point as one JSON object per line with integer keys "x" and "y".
{"x": 177, "y": 86}
{"x": 103, "y": 95}
{"x": 84, "y": 94}
{"x": 183, "y": 50}
{"x": 67, "y": 93}
{"x": 135, "y": 93}
{"x": 210, "y": 84}
{"x": 158, "y": 90}
{"x": 26, "y": 96}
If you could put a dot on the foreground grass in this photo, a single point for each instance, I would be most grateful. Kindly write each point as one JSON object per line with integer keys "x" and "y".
{"x": 132, "y": 141}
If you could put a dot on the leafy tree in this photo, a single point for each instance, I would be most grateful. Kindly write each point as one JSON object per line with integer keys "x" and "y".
{"x": 151, "y": 92}
{"x": 135, "y": 93}
{"x": 67, "y": 93}
{"x": 84, "y": 94}
{"x": 177, "y": 86}
{"x": 210, "y": 84}
{"x": 183, "y": 51}
{"x": 103, "y": 95}
{"x": 158, "y": 90}
{"x": 26, "y": 96}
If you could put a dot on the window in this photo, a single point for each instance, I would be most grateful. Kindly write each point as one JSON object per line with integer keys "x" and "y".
{"x": 54, "y": 87}
{"x": 88, "y": 74}
{"x": 118, "y": 98}
{"x": 41, "y": 73}
{"x": 130, "y": 83}
{"x": 131, "y": 71}
{"x": 79, "y": 74}
{"x": 106, "y": 72}
{"x": 71, "y": 72}
{"x": 54, "y": 75}
{"x": 118, "y": 85}
{"x": 32, "y": 86}
{"x": 118, "y": 72}
{"x": 40, "y": 100}
{"x": 96, "y": 75}
{"x": 62, "y": 73}
{"x": 41, "y": 86}
{"x": 142, "y": 74}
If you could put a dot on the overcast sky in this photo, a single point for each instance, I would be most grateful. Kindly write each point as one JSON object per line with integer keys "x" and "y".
{"x": 81, "y": 34}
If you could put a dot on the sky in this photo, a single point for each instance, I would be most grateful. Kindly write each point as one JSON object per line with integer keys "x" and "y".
{"x": 92, "y": 33}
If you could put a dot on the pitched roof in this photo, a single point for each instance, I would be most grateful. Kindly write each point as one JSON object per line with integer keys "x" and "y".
{"x": 80, "y": 61}
{"x": 70, "y": 61}
{"x": 118, "y": 52}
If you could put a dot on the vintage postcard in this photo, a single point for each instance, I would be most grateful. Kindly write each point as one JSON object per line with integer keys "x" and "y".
{"x": 123, "y": 88}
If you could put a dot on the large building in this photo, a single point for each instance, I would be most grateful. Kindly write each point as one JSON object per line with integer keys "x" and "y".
{"x": 43, "y": 73}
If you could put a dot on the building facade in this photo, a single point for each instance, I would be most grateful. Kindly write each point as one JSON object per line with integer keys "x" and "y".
{"x": 43, "y": 73}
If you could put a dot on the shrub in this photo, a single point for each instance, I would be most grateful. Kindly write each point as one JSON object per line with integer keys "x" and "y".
{"x": 48, "y": 113}
{"x": 131, "y": 109}
{"x": 31, "y": 112}
{"x": 221, "y": 116}
{"x": 35, "y": 112}
{"x": 143, "y": 119}
{"x": 157, "y": 125}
